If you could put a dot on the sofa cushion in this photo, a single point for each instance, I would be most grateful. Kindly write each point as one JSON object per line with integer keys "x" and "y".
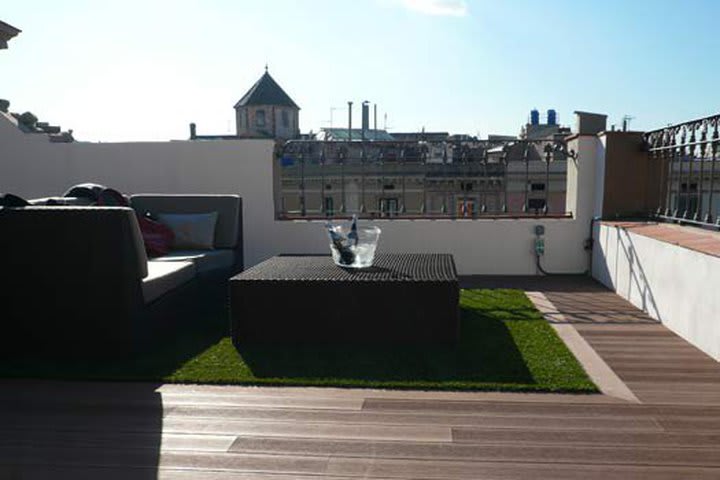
{"x": 191, "y": 231}
{"x": 228, "y": 207}
{"x": 204, "y": 260}
{"x": 164, "y": 277}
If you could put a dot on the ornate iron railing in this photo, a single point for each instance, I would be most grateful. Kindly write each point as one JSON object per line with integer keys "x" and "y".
{"x": 400, "y": 179}
{"x": 689, "y": 189}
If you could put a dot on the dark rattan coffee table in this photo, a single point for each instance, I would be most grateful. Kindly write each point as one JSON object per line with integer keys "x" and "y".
{"x": 403, "y": 298}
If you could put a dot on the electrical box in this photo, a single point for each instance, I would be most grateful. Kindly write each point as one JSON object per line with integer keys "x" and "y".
{"x": 540, "y": 246}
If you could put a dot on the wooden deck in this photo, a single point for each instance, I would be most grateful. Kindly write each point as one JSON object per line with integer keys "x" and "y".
{"x": 130, "y": 431}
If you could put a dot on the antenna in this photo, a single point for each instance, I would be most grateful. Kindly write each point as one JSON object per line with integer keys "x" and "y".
{"x": 626, "y": 121}
{"x": 332, "y": 109}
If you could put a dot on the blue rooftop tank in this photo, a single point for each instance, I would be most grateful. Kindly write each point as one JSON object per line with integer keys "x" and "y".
{"x": 534, "y": 117}
{"x": 552, "y": 117}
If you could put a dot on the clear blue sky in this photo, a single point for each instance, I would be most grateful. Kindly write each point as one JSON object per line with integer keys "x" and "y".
{"x": 143, "y": 70}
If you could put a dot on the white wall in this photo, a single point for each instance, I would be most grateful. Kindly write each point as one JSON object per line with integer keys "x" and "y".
{"x": 672, "y": 284}
{"x": 32, "y": 167}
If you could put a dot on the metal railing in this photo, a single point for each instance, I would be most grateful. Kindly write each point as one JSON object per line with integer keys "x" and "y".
{"x": 689, "y": 189}
{"x": 417, "y": 179}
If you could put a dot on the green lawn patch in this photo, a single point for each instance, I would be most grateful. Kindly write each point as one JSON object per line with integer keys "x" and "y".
{"x": 505, "y": 345}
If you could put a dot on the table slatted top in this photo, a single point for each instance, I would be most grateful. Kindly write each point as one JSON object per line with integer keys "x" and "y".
{"x": 387, "y": 267}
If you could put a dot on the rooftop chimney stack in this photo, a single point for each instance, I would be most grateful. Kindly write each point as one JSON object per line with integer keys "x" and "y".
{"x": 375, "y": 118}
{"x": 350, "y": 121}
{"x": 365, "y": 118}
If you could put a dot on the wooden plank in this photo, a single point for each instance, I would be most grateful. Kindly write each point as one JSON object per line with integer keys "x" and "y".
{"x": 656, "y": 454}
{"x": 299, "y": 401}
{"x": 676, "y": 377}
{"x": 585, "y": 437}
{"x": 45, "y": 472}
{"x": 558, "y": 410}
{"x": 643, "y": 419}
{"x": 378, "y": 469}
{"x": 670, "y": 386}
{"x": 228, "y": 424}
{"x": 445, "y": 469}
{"x": 115, "y": 439}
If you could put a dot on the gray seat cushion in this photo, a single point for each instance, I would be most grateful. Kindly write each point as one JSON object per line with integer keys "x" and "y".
{"x": 204, "y": 260}
{"x": 165, "y": 276}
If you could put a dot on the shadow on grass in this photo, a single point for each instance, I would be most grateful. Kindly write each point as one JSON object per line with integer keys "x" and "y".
{"x": 505, "y": 345}
{"x": 486, "y": 353}
{"x": 190, "y": 339}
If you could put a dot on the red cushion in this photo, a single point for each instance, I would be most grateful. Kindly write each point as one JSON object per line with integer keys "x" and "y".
{"x": 157, "y": 237}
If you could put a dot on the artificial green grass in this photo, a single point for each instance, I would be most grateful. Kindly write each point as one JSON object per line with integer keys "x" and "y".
{"x": 505, "y": 345}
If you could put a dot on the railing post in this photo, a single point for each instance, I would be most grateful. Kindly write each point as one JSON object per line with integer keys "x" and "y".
{"x": 506, "y": 178}
{"x": 548, "y": 156}
{"x": 486, "y": 180}
{"x": 526, "y": 159}
{"x": 341, "y": 157}
{"x": 303, "y": 209}
{"x": 362, "y": 178}
{"x": 701, "y": 180}
{"x": 714, "y": 150}
{"x": 401, "y": 210}
{"x": 322, "y": 181}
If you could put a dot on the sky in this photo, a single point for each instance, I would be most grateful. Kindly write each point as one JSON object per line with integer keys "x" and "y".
{"x": 143, "y": 70}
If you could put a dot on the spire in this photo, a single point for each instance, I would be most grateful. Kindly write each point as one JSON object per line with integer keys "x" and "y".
{"x": 266, "y": 67}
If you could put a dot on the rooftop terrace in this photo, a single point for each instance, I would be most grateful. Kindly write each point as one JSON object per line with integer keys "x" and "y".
{"x": 633, "y": 299}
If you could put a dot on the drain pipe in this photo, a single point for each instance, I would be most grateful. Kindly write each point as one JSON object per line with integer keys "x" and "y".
{"x": 590, "y": 242}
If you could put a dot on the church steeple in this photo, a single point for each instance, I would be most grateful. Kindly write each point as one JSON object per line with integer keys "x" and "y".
{"x": 267, "y": 111}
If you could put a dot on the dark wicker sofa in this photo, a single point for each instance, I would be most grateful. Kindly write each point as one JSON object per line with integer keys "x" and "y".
{"x": 76, "y": 281}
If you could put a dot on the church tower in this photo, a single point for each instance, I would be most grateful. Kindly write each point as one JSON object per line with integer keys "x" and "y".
{"x": 267, "y": 111}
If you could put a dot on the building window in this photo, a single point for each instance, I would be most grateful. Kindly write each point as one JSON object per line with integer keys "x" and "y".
{"x": 537, "y": 187}
{"x": 260, "y": 118}
{"x": 465, "y": 207}
{"x": 285, "y": 119}
{"x": 329, "y": 206}
{"x": 536, "y": 204}
{"x": 388, "y": 207}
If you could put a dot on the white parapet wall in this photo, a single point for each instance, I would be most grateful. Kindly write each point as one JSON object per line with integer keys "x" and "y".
{"x": 675, "y": 285}
{"x": 32, "y": 167}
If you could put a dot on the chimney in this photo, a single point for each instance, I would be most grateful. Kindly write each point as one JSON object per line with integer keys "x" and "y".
{"x": 193, "y": 131}
{"x": 375, "y": 119}
{"x": 350, "y": 121}
{"x": 587, "y": 123}
{"x": 365, "y": 119}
